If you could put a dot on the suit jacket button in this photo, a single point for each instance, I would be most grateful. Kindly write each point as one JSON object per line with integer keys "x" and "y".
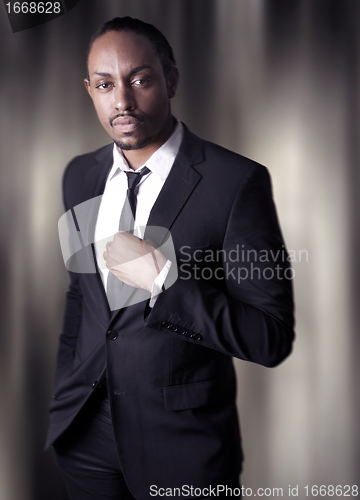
{"x": 197, "y": 336}
{"x": 181, "y": 330}
{"x": 112, "y": 335}
{"x": 94, "y": 384}
{"x": 187, "y": 333}
{"x": 166, "y": 324}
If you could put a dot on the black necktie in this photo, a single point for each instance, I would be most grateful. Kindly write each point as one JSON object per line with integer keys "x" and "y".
{"x": 126, "y": 223}
{"x": 127, "y": 217}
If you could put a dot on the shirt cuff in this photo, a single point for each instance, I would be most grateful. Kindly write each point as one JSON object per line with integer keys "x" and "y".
{"x": 159, "y": 283}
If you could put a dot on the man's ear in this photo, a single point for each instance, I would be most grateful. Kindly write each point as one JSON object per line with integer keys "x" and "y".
{"x": 87, "y": 85}
{"x": 172, "y": 81}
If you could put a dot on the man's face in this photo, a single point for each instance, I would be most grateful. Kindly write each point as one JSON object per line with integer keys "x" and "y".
{"x": 129, "y": 89}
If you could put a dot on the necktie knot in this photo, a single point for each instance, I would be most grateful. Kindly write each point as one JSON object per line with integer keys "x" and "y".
{"x": 134, "y": 178}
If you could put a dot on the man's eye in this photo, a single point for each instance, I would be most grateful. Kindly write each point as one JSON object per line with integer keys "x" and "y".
{"x": 103, "y": 86}
{"x": 140, "y": 81}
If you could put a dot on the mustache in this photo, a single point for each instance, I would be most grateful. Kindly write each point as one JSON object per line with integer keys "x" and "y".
{"x": 139, "y": 118}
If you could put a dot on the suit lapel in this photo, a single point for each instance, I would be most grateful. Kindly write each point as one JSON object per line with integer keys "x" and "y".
{"x": 94, "y": 184}
{"x": 179, "y": 185}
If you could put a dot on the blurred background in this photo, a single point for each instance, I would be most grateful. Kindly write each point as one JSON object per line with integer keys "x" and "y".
{"x": 275, "y": 80}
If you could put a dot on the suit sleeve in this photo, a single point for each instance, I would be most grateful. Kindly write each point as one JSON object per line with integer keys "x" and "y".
{"x": 246, "y": 309}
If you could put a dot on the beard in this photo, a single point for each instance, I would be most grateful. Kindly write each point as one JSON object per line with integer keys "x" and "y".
{"x": 140, "y": 144}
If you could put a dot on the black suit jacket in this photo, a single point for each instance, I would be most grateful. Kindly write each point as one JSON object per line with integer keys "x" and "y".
{"x": 170, "y": 374}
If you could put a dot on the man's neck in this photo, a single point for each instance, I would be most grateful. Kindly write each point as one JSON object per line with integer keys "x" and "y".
{"x": 136, "y": 158}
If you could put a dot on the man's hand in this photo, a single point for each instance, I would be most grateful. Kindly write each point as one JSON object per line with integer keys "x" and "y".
{"x": 134, "y": 261}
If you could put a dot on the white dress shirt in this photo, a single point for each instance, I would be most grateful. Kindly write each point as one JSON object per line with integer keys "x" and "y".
{"x": 113, "y": 199}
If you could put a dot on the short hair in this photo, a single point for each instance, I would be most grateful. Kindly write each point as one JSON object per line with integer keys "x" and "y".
{"x": 157, "y": 39}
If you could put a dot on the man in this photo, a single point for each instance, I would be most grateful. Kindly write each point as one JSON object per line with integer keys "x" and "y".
{"x": 144, "y": 398}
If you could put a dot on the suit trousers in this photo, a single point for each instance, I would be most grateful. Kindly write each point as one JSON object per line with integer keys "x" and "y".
{"x": 87, "y": 457}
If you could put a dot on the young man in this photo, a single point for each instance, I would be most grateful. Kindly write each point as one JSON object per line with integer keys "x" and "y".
{"x": 144, "y": 399}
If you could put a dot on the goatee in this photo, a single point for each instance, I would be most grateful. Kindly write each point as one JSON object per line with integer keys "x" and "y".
{"x": 140, "y": 144}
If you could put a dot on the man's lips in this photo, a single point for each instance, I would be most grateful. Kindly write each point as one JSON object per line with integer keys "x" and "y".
{"x": 125, "y": 123}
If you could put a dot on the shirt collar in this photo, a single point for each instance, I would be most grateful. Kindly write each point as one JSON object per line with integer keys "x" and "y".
{"x": 159, "y": 163}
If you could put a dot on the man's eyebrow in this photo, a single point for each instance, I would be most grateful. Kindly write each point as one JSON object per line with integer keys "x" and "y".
{"x": 131, "y": 72}
{"x": 139, "y": 68}
{"x": 106, "y": 75}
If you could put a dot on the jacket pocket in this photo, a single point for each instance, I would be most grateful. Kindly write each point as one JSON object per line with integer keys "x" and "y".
{"x": 185, "y": 397}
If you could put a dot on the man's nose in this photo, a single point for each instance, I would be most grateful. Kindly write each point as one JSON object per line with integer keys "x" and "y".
{"x": 124, "y": 97}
